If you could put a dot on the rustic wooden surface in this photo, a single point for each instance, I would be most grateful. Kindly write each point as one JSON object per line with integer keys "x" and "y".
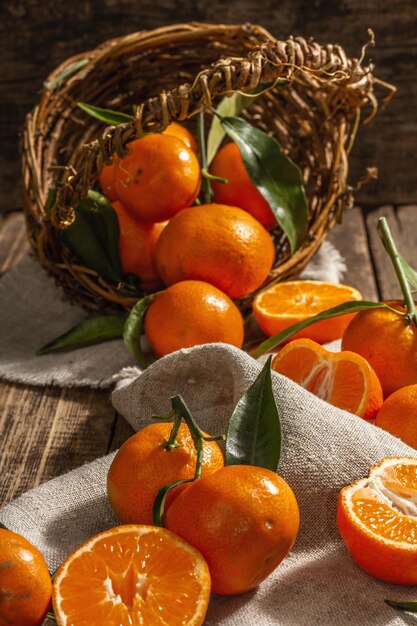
{"x": 47, "y": 431}
{"x": 36, "y": 35}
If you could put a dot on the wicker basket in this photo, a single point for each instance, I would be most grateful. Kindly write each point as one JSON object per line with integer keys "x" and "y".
{"x": 173, "y": 73}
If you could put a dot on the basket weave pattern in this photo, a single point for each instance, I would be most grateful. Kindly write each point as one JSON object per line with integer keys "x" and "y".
{"x": 172, "y": 74}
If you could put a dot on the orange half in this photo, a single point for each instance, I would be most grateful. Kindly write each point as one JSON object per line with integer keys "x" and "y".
{"x": 377, "y": 518}
{"x": 288, "y": 303}
{"x": 132, "y": 576}
{"x": 343, "y": 379}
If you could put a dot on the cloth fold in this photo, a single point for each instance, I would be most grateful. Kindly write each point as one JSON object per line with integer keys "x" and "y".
{"x": 324, "y": 449}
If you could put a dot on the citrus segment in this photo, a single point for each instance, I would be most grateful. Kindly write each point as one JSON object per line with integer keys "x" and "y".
{"x": 144, "y": 464}
{"x": 189, "y": 313}
{"x": 389, "y": 342}
{"x": 159, "y": 177}
{"x": 343, "y": 379}
{"x": 398, "y": 415}
{"x": 239, "y": 190}
{"x": 134, "y": 576}
{"x": 243, "y": 519}
{"x": 288, "y": 303}
{"x": 377, "y": 518}
{"x": 218, "y": 244}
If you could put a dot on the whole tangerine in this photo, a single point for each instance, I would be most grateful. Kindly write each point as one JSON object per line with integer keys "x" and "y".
{"x": 219, "y": 244}
{"x": 25, "y": 583}
{"x": 243, "y": 519}
{"x": 239, "y": 190}
{"x": 189, "y": 313}
{"x": 388, "y": 342}
{"x": 137, "y": 244}
{"x": 159, "y": 177}
{"x": 398, "y": 415}
{"x": 144, "y": 464}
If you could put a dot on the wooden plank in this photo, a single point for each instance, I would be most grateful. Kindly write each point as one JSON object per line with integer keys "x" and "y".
{"x": 403, "y": 233}
{"x": 351, "y": 240}
{"x": 407, "y": 220}
{"x": 389, "y": 142}
{"x": 47, "y": 432}
{"x": 14, "y": 244}
{"x": 121, "y": 431}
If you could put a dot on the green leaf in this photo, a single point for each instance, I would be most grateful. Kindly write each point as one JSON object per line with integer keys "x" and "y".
{"x": 66, "y": 73}
{"x": 340, "y": 309}
{"x": 113, "y": 118}
{"x": 50, "y": 199}
{"x": 91, "y": 331}
{"x": 410, "y": 606}
{"x": 159, "y": 502}
{"x": 254, "y": 434}
{"x": 94, "y": 236}
{"x": 410, "y": 273}
{"x": 277, "y": 178}
{"x": 133, "y": 329}
{"x": 229, "y": 106}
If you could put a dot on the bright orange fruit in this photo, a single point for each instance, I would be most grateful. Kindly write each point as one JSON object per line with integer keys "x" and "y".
{"x": 159, "y": 177}
{"x": 190, "y": 313}
{"x": 25, "y": 583}
{"x": 377, "y": 518}
{"x": 137, "y": 244}
{"x": 288, "y": 303}
{"x": 243, "y": 519}
{"x": 176, "y": 130}
{"x": 218, "y": 244}
{"x": 398, "y": 415}
{"x": 240, "y": 190}
{"x": 132, "y": 576}
{"x": 144, "y": 464}
{"x": 388, "y": 342}
{"x": 344, "y": 379}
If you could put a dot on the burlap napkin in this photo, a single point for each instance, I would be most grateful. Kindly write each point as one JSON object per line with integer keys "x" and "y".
{"x": 32, "y": 313}
{"x": 324, "y": 449}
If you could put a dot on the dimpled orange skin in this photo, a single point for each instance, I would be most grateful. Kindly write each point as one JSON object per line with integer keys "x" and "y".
{"x": 398, "y": 415}
{"x": 219, "y": 244}
{"x": 25, "y": 583}
{"x": 388, "y": 343}
{"x": 106, "y": 181}
{"x": 176, "y": 130}
{"x": 137, "y": 244}
{"x": 240, "y": 190}
{"x": 143, "y": 465}
{"x": 189, "y": 313}
{"x": 159, "y": 177}
{"x": 243, "y": 519}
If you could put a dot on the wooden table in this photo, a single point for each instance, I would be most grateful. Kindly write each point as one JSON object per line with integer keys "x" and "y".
{"x": 45, "y": 431}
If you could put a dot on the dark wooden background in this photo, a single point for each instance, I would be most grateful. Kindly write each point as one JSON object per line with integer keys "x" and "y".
{"x": 36, "y": 35}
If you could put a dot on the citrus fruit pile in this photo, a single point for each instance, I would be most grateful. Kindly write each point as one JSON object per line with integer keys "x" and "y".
{"x": 205, "y": 255}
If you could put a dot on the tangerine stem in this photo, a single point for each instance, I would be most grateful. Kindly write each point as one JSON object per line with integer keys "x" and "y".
{"x": 217, "y": 179}
{"x": 389, "y": 245}
{"x": 206, "y": 187}
{"x": 171, "y": 443}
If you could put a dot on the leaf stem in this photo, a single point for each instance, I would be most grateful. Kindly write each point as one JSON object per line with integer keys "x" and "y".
{"x": 389, "y": 245}
{"x": 206, "y": 186}
{"x": 217, "y": 179}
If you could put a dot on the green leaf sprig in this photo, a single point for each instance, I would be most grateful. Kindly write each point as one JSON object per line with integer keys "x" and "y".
{"x": 110, "y": 117}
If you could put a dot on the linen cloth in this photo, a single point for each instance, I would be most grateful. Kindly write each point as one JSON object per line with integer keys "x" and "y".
{"x": 33, "y": 314}
{"x": 324, "y": 449}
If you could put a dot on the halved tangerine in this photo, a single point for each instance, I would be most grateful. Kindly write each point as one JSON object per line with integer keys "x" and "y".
{"x": 288, "y": 303}
{"x": 377, "y": 518}
{"x": 132, "y": 576}
{"x": 344, "y": 379}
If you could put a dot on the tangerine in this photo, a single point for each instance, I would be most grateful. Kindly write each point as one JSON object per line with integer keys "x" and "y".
{"x": 243, "y": 519}
{"x": 218, "y": 244}
{"x": 239, "y": 190}
{"x": 344, "y": 379}
{"x": 131, "y": 575}
{"x": 25, "y": 583}
{"x": 137, "y": 244}
{"x": 377, "y": 519}
{"x": 388, "y": 342}
{"x": 398, "y": 415}
{"x": 288, "y": 303}
{"x": 144, "y": 464}
{"x": 176, "y": 130}
{"x": 189, "y": 313}
{"x": 159, "y": 177}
